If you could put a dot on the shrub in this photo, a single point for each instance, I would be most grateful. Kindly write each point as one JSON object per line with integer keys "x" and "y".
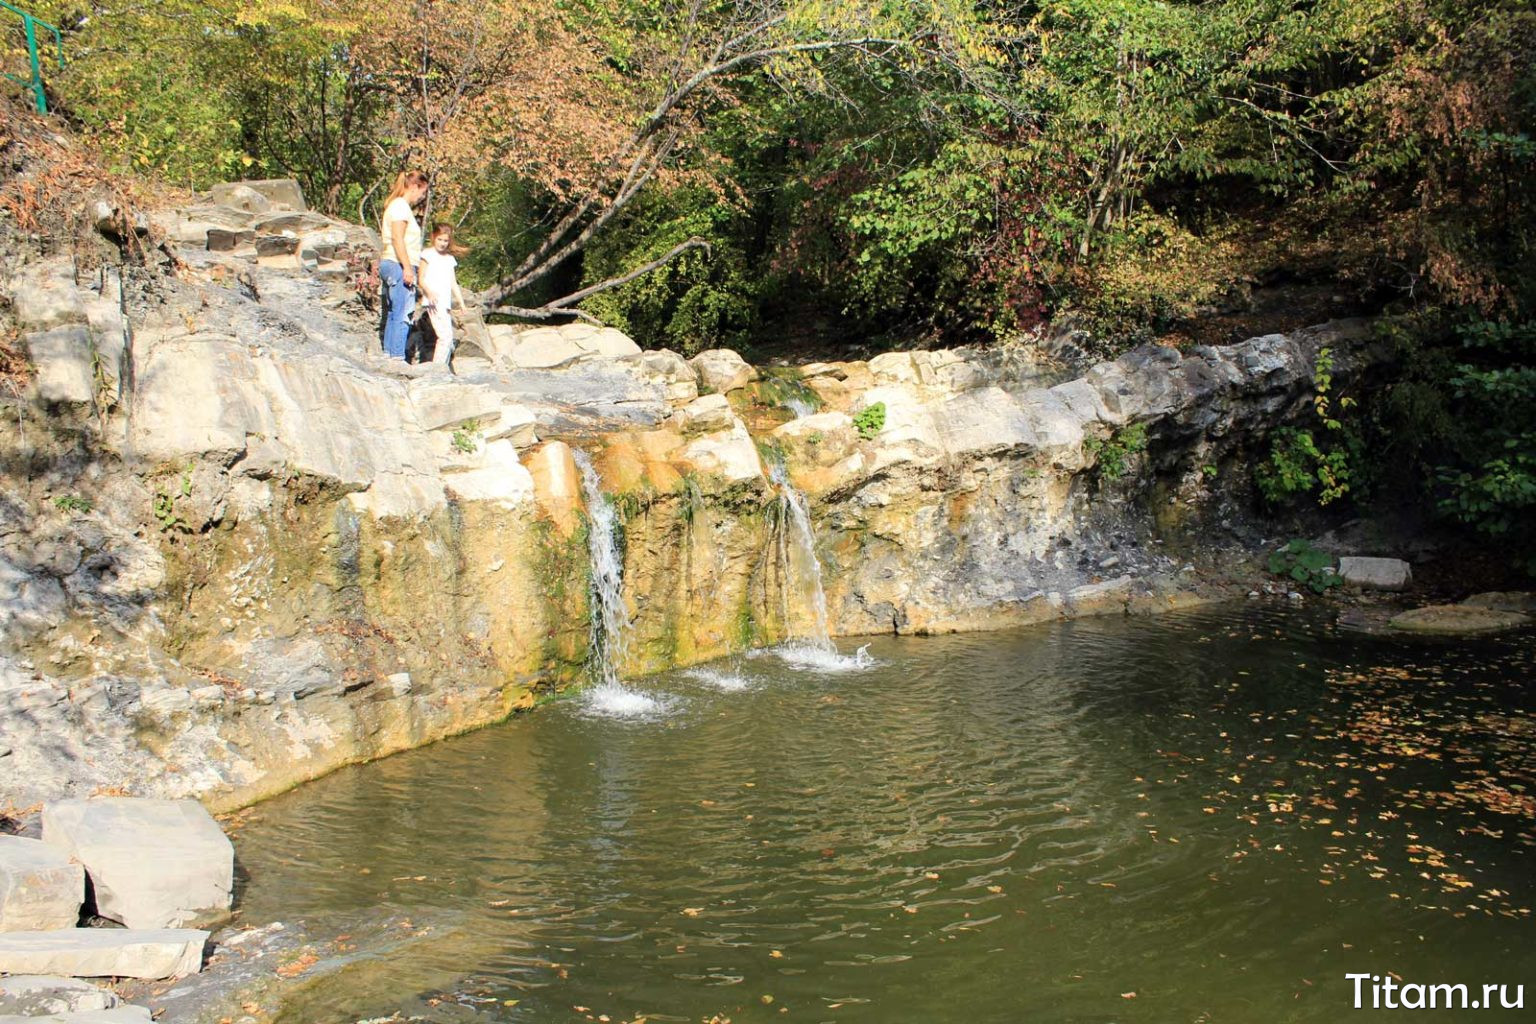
{"x": 1112, "y": 454}
{"x": 870, "y": 420}
{"x": 1306, "y": 565}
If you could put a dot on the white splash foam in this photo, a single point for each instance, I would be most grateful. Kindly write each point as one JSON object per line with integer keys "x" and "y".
{"x": 614, "y": 700}
{"x": 807, "y": 656}
{"x": 721, "y": 679}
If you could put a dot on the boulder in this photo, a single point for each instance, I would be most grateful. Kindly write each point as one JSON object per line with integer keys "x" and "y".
{"x": 39, "y": 887}
{"x": 152, "y": 863}
{"x": 721, "y": 370}
{"x": 1456, "y": 619}
{"x": 33, "y": 995}
{"x": 104, "y": 952}
{"x": 673, "y": 372}
{"x": 706, "y": 414}
{"x": 240, "y": 196}
{"x": 515, "y": 423}
{"x": 66, "y": 364}
{"x": 729, "y": 455}
{"x": 1376, "y": 573}
{"x": 279, "y": 193}
{"x": 894, "y": 368}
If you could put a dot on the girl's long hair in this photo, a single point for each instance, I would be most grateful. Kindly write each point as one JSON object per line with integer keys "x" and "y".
{"x": 403, "y": 181}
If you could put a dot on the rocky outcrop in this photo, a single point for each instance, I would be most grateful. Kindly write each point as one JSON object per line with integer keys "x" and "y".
{"x": 239, "y": 548}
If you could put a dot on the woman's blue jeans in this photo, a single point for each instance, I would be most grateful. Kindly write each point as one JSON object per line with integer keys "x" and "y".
{"x": 400, "y": 299}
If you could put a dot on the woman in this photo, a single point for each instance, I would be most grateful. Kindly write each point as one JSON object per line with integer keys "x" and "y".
{"x": 440, "y": 288}
{"x": 402, "y": 251}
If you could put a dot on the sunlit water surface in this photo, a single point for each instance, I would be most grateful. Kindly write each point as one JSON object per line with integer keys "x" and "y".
{"x": 1201, "y": 817}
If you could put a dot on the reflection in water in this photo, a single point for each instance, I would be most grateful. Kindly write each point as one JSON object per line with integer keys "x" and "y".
{"x": 1222, "y": 813}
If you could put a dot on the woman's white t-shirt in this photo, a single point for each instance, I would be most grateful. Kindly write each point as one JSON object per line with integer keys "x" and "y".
{"x": 438, "y": 280}
{"x": 400, "y": 210}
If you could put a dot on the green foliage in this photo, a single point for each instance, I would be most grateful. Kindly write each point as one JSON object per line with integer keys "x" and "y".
{"x": 165, "y": 512}
{"x": 870, "y": 420}
{"x": 1296, "y": 466}
{"x": 466, "y": 437}
{"x": 1302, "y": 563}
{"x": 164, "y": 506}
{"x": 1113, "y": 454}
{"x": 699, "y": 300}
{"x": 1299, "y": 463}
{"x": 1484, "y": 468}
{"x": 72, "y": 503}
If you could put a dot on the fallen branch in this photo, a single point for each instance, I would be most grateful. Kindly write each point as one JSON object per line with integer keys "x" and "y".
{"x": 561, "y": 306}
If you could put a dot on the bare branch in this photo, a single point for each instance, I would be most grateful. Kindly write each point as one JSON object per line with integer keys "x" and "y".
{"x": 562, "y": 306}
{"x": 613, "y": 282}
{"x": 545, "y": 313}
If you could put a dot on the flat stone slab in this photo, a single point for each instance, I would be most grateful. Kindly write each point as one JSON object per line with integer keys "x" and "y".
{"x": 151, "y": 954}
{"x": 1455, "y": 619}
{"x": 1376, "y": 573}
{"x": 116, "y": 1015}
{"x": 152, "y": 863}
{"x": 33, "y": 995}
{"x": 40, "y": 887}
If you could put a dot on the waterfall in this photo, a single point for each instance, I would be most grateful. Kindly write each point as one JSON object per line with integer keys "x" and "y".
{"x": 801, "y": 559}
{"x": 799, "y": 407}
{"x": 610, "y": 620}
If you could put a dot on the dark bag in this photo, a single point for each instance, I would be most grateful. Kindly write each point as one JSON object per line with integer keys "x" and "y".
{"x": 421, "y": 342}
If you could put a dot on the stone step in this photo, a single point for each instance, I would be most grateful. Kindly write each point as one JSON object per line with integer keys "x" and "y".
{"x": 150, "y": 954}
{"x": 33, "y": 995}
{"x": 117, "y": 1015}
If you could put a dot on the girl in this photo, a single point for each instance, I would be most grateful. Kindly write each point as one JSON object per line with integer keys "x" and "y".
{"x": 402, "y": 251}
{"x": 440, "y": 288}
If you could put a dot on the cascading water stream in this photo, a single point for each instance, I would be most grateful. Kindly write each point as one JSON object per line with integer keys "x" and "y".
{"x": 806, "y": 567}
{"x": 610, "y": 619}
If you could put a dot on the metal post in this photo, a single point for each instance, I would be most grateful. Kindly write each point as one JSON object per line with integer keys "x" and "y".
{"x": 34, "y": 84}
{"x": 37, "y": 67}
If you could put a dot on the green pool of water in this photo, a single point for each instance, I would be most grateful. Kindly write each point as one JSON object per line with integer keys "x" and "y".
{"x": 1202, "y": 817}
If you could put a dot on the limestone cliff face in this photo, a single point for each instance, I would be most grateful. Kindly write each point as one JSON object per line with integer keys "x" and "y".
{"x": 239, "y": 549}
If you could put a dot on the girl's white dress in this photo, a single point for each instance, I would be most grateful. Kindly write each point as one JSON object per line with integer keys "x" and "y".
{"x": 439, "y": 280}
